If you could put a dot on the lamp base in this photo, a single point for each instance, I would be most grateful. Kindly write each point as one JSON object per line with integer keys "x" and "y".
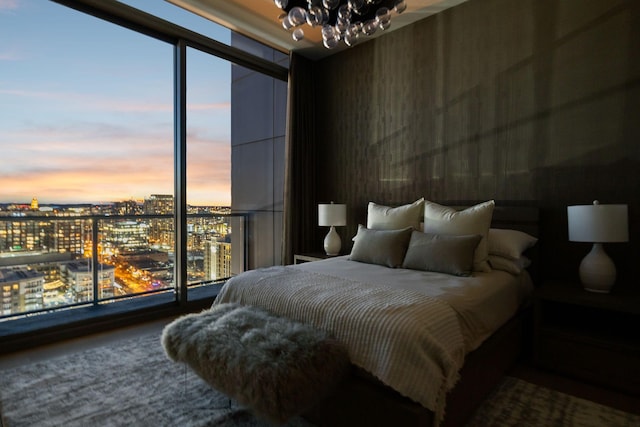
{"x": 332, "y": 242}
{"x": 597, "y": 271}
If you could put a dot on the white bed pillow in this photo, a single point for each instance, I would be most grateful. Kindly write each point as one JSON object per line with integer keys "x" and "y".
{"x": 380, "y": 217}
{"x": 440, "y": 219}
{"x": 509, "y": 243}
{"x": 509, "y": 265}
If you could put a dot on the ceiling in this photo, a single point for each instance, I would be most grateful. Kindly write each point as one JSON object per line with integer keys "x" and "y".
{"x": 258, "y": 19}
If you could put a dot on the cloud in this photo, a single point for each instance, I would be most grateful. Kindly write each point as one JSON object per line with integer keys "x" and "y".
{"x": 27, "y": 94}
{"x": 46, "y": 142}
{"x": 206, "y": 107}
{"x": 102, "y": 184}
{"x": 6, "y": 5}
{"x": 10, "y": 56}
{"x": 84, "y": 184}
{"x": 85, "y": 160}
{"x": 77, "y": 160}
{"x": 86, "y": 102}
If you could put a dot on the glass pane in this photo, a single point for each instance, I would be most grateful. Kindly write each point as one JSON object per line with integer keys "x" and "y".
{"x": 140, "y": 251}
{"x": 87, "y": 133}
{"x": 208, "y": 167}
{"x": 208, "y": 27}
{"x": 43, "y": 262}
{"x": 183, "y": 18}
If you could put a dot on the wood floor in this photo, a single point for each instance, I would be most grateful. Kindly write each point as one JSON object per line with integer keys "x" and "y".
{"x": 79, "y": 344}
{"x": 524, "y": 370}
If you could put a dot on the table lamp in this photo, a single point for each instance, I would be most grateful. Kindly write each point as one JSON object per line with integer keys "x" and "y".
{"x": 598, "y": 224}
{"x": 332, "y": 215}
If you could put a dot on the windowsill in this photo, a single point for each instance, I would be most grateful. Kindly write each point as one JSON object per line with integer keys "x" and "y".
{"x": 46, "y": 328}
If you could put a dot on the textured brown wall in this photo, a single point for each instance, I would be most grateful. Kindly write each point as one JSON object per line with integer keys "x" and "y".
{"x": 533, "y": 101}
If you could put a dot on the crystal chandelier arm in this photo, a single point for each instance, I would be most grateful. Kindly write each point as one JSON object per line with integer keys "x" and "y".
{"x": 341, "y": 20}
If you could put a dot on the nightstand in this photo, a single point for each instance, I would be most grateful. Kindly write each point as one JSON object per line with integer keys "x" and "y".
{"x": 594, "y": 337}
{"x": 310, "y": 256}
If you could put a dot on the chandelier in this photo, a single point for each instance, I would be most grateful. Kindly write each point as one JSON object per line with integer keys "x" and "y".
{"x": 341, "y": 20}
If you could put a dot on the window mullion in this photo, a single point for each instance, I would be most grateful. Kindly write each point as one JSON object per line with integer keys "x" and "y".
{"x": 180, "y": 169}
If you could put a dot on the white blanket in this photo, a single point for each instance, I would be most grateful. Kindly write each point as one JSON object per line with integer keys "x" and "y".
{"x": 408, "y": 340}
{"x": 483, "y": 302}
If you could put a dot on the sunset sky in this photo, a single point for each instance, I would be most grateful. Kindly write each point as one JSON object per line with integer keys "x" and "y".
{"x": 86, "y": 108}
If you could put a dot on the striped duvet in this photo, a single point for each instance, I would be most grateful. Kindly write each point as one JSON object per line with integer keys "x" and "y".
{"x": 409, "y": 341}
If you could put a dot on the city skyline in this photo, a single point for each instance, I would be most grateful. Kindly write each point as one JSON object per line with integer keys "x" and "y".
{"x": 87, "y": 108}
{"x": 48, "y": 262}
{"x": 109, "y": 202}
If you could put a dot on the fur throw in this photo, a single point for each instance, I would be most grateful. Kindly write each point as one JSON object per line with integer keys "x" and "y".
{"x": 277, "y": 367}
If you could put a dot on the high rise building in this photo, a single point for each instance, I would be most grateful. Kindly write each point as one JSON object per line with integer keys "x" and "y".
{"x": 126, "y": 207}
{"x": 158, "y": 204}
{"x": 46, "y": 235}
{"x": 217, "y": 260}
{"x": 21, "y": 290}
{"x": 161, "y": 233}
{"x": 125, "y": 236}
{"x": 70, "y": 235}
{"x": 78, "y": 277}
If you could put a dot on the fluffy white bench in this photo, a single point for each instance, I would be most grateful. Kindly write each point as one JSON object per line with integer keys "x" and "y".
{"x": 276, "y": 367}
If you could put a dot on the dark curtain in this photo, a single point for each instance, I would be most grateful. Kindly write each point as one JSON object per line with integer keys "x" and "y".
{"x": 300, "y": 212}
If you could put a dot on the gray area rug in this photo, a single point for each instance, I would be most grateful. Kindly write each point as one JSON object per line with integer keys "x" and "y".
{"x": 133, "y": 383}
{"x": 130, "y": 383}
{"x": 519, "y": 403}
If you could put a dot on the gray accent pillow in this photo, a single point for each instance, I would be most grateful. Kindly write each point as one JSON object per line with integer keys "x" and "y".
{"x": 383, "y": 247}
{"x": 441, "y": 253}
{"x": 440, "y": 219}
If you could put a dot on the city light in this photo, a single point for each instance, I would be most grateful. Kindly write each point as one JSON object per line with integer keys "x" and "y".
{"x": 47, "y": 260}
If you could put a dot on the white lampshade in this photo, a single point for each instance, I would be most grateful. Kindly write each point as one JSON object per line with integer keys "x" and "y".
{"x": 598, "y": 224}
{"x": 332, "y": 214}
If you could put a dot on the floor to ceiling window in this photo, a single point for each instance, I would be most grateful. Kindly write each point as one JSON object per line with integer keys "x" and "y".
{"x": 208, "y": 167}
{"x": 87, "y": 144}
{"x": 88, "y": 141}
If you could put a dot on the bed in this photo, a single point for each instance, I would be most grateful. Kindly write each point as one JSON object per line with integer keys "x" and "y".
{"x": 430, "y": 304}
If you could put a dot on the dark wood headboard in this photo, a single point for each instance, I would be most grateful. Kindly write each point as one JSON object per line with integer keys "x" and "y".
{"x": 523, "y": 218}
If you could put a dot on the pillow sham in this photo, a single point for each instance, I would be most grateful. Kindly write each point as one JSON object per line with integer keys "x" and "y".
{"x": 509, "y": 243}
{"x": 382, "y": 247}
{"x": 509, "y": 265}
{"x": 440, "y": 219}
{"x": 380, "y": 217}
{"x": 441, "y": 253}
